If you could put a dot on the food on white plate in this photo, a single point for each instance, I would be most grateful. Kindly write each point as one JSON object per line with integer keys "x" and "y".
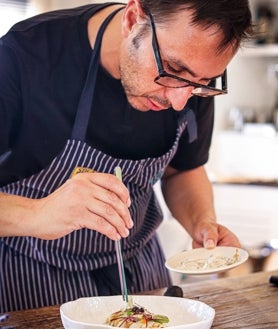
{"x": 212, "y": 262}
{"x": 135, "y": 316}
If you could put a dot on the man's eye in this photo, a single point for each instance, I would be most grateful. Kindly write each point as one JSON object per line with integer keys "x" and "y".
{"x": 172, "y": 69}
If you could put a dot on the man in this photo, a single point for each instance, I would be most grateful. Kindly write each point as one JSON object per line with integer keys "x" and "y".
{"x": 85, "y": 90}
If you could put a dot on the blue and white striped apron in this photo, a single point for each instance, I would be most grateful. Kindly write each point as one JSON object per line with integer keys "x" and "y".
{"x": 36, "y": 273}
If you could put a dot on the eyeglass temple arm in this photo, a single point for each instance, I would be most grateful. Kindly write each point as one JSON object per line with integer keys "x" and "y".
{"x": 224, "y": 80}
{"x": 155, "y": 48}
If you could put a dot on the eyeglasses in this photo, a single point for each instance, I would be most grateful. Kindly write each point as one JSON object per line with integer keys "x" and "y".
{"x": 172, "y": 81}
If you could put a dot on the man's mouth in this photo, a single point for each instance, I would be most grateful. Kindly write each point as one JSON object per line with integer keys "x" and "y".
{"x": 156, "y": 106}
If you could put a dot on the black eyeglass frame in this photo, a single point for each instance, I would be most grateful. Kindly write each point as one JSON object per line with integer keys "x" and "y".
{"x": 163, "y": 74}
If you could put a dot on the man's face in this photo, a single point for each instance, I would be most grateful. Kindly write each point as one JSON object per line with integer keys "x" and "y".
{"x": 187, "y": 51}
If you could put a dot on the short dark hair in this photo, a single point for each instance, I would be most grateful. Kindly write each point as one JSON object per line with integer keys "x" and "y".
{"x": 232, "y": 17}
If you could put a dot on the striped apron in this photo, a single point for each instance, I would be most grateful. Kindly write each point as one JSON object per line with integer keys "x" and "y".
{"x": 36, "y": 273}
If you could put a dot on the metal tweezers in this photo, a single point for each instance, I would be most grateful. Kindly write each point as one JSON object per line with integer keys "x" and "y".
{"x": 118, "y": 174}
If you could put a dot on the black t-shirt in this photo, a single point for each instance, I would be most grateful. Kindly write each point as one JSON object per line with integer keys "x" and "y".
{"x": 43, "y": 65}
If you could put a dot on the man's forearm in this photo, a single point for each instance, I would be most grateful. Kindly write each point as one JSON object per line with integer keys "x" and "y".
{"x": 15, "y": 214}
{"x": 189, "y": 197}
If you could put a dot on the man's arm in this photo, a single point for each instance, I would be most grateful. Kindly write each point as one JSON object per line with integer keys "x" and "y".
{"x": 89, "y": 200}
{"x": 189, "y": 196}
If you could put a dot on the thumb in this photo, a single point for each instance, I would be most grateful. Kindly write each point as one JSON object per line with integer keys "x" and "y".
{"x": 210, "y": 238}
{"x": 209, "y": 244}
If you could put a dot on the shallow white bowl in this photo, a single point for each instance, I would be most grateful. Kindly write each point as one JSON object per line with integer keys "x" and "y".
{"x": 91, "y": 312}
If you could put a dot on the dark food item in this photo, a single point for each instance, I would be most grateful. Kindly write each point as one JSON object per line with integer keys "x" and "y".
{"x": 174, "y": 291}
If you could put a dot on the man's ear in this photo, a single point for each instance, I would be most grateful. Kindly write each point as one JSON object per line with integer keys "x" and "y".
{"x": 133, "y": 14}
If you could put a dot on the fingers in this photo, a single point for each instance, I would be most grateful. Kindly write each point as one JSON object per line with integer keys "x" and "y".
{"x": 110, "y": 204}
{"x": 208, "y": 244}
{"x": 205, "y": 235}
{"x": 106, "y": 200}
{"x": 95, "y": 201}
{"x": 108, "y": 182}
{"x": 101, "y": 225}
{"x": 211, "y": 234}
{"x": 227, "y": 238}
{"x": 104, "y": 214}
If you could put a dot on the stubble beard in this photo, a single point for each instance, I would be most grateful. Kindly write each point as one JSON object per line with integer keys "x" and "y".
{"x": 133, "y": 77}
{"x": 135, "y": 97}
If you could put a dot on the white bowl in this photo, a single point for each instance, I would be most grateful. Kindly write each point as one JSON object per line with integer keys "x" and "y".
{"x": 92, "y": 312}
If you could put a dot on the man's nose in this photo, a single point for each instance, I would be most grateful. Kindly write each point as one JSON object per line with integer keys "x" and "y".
{"x": 178, "y": 97}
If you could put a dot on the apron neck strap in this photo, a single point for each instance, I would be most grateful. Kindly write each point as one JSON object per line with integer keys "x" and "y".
{"x": 84, "y": 107}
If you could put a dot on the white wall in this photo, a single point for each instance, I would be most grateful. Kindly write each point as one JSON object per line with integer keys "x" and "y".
{"x": 253, "y": 88}
{"x": 249, "y": 84}
{"x": 250, "y": 88}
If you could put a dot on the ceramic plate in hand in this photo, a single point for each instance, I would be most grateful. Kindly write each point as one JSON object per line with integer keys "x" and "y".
{"x": 206, "y": 261}
{"x": 92, "y": 312}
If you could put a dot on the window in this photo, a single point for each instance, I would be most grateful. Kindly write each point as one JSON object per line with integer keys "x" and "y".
{"x": 12, "y": 11}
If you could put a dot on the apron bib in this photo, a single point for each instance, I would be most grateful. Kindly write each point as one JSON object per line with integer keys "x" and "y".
{"x": 36, "y": 273}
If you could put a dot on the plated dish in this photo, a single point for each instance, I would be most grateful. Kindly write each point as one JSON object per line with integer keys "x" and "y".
{"x": 206, "y": 261}
{"x": 136, "y": 316}
{"x": 92, "y": 312}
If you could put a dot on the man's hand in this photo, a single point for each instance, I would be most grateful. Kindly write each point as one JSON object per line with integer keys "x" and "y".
{"x": 210, "y": 234}
{"x": 96, "y": 201}
{"x": 189, "y": 196}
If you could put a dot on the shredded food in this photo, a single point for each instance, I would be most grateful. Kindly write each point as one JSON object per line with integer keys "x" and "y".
{"x": 136, "y": 316}
{"x": 212, "y": 262}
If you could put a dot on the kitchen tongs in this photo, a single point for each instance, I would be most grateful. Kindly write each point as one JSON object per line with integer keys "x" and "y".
{"x": 118, "y": 173}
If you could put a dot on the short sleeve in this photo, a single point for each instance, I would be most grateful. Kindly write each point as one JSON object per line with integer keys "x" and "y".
{"x": 191, "y": 155}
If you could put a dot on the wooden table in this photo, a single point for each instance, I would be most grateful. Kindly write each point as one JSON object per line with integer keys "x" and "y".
{"x": 240, "y": 302}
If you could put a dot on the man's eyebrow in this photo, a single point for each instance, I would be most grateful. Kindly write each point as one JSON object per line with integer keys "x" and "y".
{"x": 185, "y": 68}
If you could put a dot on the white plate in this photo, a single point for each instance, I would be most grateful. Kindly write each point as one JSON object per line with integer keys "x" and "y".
{"x": 206, "y": 261}
{"x": 91, "y": 312}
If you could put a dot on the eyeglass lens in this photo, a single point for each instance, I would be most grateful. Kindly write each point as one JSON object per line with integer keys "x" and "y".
{"x": 171, "y": 81}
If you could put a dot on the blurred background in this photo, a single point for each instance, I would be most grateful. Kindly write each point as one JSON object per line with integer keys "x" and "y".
{"x": 243, "y": 165}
